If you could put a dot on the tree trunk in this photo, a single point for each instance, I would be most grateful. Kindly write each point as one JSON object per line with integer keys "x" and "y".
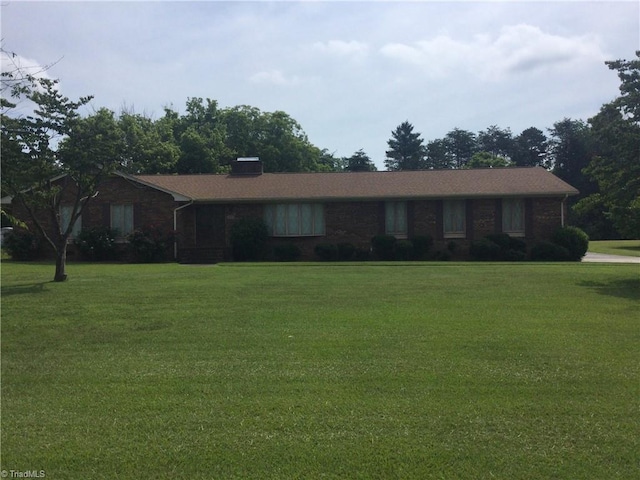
{"x": 61, "y": 263}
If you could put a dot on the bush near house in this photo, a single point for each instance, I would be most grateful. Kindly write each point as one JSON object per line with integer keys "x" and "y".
{"x": 22, "y": 245}
{"x": 287, "y": 252}
{"x": 575, "y": 240}
{"x": 326, "y": 252}
{"x": 549, "y": 252}
{"x": 97, "y": 243}
{"x": 150, "y": 244}
{"x": 383, "y": 247}
{"x": 249, "y": 239}
{"x": 498, "y": 247}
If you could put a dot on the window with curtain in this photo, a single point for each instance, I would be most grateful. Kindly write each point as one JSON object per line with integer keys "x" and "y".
{"x": 454, "y": 218}
{"x": 122, "y": 219}
{"x": 395, "y": 218}
{"x": 65, "y": 218}
{"x": 295, "y": 219}
{"x": 513, "y": 216}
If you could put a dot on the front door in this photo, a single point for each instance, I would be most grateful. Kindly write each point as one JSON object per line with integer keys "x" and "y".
{"x": 210, "y": 226}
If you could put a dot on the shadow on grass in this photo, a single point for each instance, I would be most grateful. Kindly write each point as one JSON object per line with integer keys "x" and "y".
{"x": 24, "y": 289}
{"x": 627, "y": 288}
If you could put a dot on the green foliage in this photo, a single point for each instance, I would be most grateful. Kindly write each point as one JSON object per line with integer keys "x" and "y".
{"x": 461, "y": 145}
{"x": 485, "y": 250}
{"x": 616, "y": 169}
{"x": 498, "y": 247}
{"x": 249, "y": 239}
{"x": 406, "y": 149}
{"x": 359, "y": 162}
{"x": 575, "y": 240}
{"x": 150, "y": 244}
{"x": 97, "y": 243}
{"x": 327, "y": 252}
{"x": 346, "y": 251}
{"x": 498, "y": 143}
{"x": 22, "y": 245}
{"x": 487, "y": 160}
{"x": 286, "y": 252}
{"x": 549, "y": 252}
{"x": 421, "y": 246}
{"x": 383, "y": 247}
{"x": 404, "y": 250}
{"x": 530, "y": 148}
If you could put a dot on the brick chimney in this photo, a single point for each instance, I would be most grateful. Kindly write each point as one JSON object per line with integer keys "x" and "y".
{"x": 246, "y": 166}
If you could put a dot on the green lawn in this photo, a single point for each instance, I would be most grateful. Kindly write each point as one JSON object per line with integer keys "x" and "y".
{"x": 629, "y": 248}
{"x": 409, "y": 371}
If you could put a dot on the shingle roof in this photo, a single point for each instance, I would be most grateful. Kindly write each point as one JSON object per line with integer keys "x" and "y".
{"x": 497, "y": 182}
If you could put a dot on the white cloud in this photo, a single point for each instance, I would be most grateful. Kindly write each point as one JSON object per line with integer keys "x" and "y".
{"x": 342, "y": 48}
{"x": 275, "y": 77}
{"x": 516, "y": 49}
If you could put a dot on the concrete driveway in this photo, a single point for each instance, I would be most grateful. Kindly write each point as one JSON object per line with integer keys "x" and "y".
{"x": 604, "y": 258}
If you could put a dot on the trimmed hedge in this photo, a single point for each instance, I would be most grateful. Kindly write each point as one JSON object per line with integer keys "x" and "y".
{"x": 249, "y": 239}
{"x": 549, "y": 252}
{"x": 97, "y": 244}
{"x": 287, "y": 252}
{"x": 575, "y": 240}
{"x": 22, "y": 245}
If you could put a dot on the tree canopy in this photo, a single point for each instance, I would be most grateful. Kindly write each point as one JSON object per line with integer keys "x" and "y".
{"x": 406, "y": 149}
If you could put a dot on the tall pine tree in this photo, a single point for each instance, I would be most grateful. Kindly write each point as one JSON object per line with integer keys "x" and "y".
{"x": 406, "y": 149}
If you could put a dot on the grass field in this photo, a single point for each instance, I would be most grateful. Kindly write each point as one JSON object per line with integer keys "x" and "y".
{"x": 629, "y": 248}
{"x": 420, "y": 371}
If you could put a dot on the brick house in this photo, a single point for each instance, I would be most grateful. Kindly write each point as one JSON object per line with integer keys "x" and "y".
{"x": 311, "y": 208}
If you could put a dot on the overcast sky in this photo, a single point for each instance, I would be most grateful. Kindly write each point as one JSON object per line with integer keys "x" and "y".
{"x": 348, "y": 72}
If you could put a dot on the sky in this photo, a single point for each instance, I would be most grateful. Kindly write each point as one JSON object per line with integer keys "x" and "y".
{"x": 348, "y": 72}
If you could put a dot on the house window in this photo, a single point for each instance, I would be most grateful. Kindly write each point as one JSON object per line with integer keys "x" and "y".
{"x": 453, "y": 218}
{"x": 295, "y": 219}
{"x": 513, "y": 216}
{"x": 395, "y": 218}
{"x": 122, "y": 219}
{"x": 65, "y": 218}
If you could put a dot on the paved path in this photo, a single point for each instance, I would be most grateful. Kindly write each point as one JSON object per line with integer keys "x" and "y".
{"x": 604, "y": 258}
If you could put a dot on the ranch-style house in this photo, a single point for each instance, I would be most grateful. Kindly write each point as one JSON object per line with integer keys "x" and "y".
{"x": 306, "y": 209}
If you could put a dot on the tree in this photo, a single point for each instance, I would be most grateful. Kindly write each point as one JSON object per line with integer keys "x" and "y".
{"x": 461, "y": 145}
{"x": 150, "y": 146}
{"x": 406, "y": 149}
{"x": 487, "y": 160}
{"x": 496, "y": 141}
{"x": 359, "y": 162}
{"x": 571, "y": 149}
{"x": 438, "y": 154}
{"x": 530, "y": 148}
{"x": 53, "y": 143}
{"x": 616, "y": 166}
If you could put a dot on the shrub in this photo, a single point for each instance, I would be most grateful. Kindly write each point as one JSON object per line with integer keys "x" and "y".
{"x": 384, "y": 246}
{"x": 362, "y": 254}
{"x": 404, "y": 250}
{"x": 287, "y": 252}
{"x": 421, "y": 246}
{"x": 442, "y": 255}
{"x": 326, "y": 252}
{"x": 22, "y": 245}
{"x": 498, "y": 246}
{"x": 249, "y": 239}
{"x": 576, "y": 241}
{"x": 549, "y": 252}
{"x": 346, "y": 251}
{"x": 485, "y": 250}
{"x": 150, "y": 244}
{"x": 97, "y": 243}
